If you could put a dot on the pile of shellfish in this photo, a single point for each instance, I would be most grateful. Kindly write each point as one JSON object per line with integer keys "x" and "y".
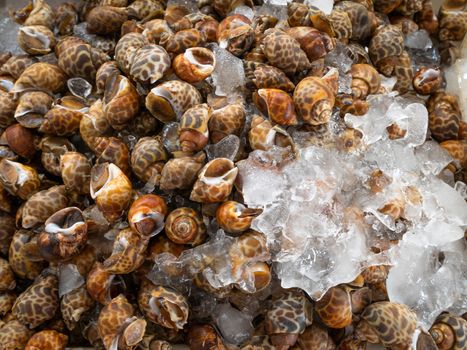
{"x": 107, "y": 121}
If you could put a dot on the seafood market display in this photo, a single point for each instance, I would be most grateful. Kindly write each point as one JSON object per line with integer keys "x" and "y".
{"x": 234, "y": 174}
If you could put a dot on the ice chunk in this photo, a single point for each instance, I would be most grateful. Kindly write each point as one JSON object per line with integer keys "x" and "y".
{"x": 388, "y": 83}
{"x": 170, "y": 136}
{"x": 79, "y": 87}
{"x": 340, "y": 59}
{"x": 234, "y": 325}
{"x": 228, "y": 76}
{"x": 105, "y": 43}
{"x": 69, "y": 279}
{"x": 245, "y": 11}
{"x": 226, "y": 148}
{"x": 419, "y": 39}
{"x": 324, "y": 5}
{"x": 461, "y": 188}
{"x": 277, "y": 10}
{"x": 432, "y": 157}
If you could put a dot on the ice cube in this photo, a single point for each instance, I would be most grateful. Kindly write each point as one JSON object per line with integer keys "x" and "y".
{"x": 340, "y": 58}
{"x": 69, "y": 279}
{"x": 419, "y": 39}
{"x": 234, "y": 325}
{"x": 226, "y": 148}
{"x": 228, "y": 76}
{"x": 245, "y": 11}
{"x": 79, "y": 87}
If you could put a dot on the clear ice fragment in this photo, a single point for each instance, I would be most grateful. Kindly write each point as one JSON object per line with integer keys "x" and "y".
{"x": 79, "y": 87}
{"x": 69, "y": 279}
{"x": 419, "y": 39}
{"x": 228, "y": 76}
{"x": 226, "y": 148}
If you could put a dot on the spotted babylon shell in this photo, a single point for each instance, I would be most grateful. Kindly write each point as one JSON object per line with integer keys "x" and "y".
{"x": 335, "y": 308}
{"x": 7, "y": 277}
{"x": 193, "y": 130}
{"x": 146, "y": 215}
{"x": 185, "y": 226}
{"x": 43, "y": 204}
{"x": 277, "y": 105}
{"x": 150, "y": 63}
{"x": 314, "y": 98}
{"x": 403, "y": 72}
{"x": 111, "y": 190}
{"x": 385, "y": 48}
{"x": 195, "y": 64}
{"x": 7, "y": 299}
{"x": 215, "y": 181}
{"x": 38, "y": 303}
{"x": 263, "y": 135}
{"x": 66, "y": 18}
{"x": 7, "y": 109}
{"x": 75, "y": 171}
{"x": 36, "y": 40}
{"x": 288, "y": 316}
{"x": 284, "y": 52}
{"x": 314, "y": 43}
{"x": 449, "y": 332}
{"x": 105, "y": 19}
{"x": 386, "y": 6}
{"x": 392, "y": 324}
{"x": 41, "y": 76}
{"x": 32, "y": 106}
{"x": 64, "y": 118}
{"x": 19, "y": 179}
{"x": 74, "y": 304}
{"x": 24, "y": 256}
{"x": 105, "y": 71}
{"x": 298, "y": 14}
{"x": 427, "y": 81}
{"x": 121, "y": 101}
{"x": 113, "y": 150}
{"x": 16, "y": 65}
{"x": 118, "y": 324}
{"x": 444, "y": 116}
{"x": 162, "y": 305}
{"x": 47, "y": 339}
{"x": 359, "y": 17}
{"x": 365, "y": 80}
{"x": 14, "y": 335}
{"x": 452, "y": 21}
{"x": 36, "y": 12}
{"x": 128, "y": 252}
{"x": 169, "y": 100}
{"x": 316, "y": 337}
{"x": 181, "y": 41}
{"x": 126, "y": 49}
{"x": 77, "y": 58}
{"x": 148, "y": 158}
{"x": 228, "y": 120}
{"x": 181, "y": 172}
{"x": 100, "y": 284}
{"x": 235, "y": 34}
{"x": 269, "y": 77}
{"x": 94, "y": 124}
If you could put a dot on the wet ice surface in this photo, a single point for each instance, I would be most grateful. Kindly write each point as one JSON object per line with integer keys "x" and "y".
{"x": 69, "y": 279}
{"x": 228, "y": 76}
{"x": 322, "y": 217}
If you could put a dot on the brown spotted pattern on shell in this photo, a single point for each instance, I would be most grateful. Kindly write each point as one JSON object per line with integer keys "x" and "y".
{"x": 403, "y": 72}
{"x": 35, "y": 13}
{"x": 365, "y": 80}
{"x": 449, "y": 332}
{"x": 145, "y": 9}
{"x": 277, "y": 105}
{"x": 385, "y": 48}
{"x": 427, "y": 80}
{"x": 444, "y": 116}
{"x": 162, "y": 305}
{"x": 185, "y": 226}
{"x": 66, "y": 18}
{"x": 113, "y": 150}
{"x": 284, "y": 52}
{"x": 148, "y": 158}
{"x": 181, "y": 172}
{"x": 23, "y": 255}
{"x": 169, "y": 100}
{"x": 392, "y": 324}
{"x": 7, "y": 109}
{"x": 149, "y": 64}
{"x": 19, "y": 179}
{"x": 7, "y": 277}
{"x": 235, "y": 34}
{"x": 106, "y": 70}
{"x": 31, "y": 108}
{"x": 263, "y": 135}
{"x": 105, "y": 19}
{"x": 75, "y": 170}
{"x": 195, "y": 64}
{"x": 38, "y": 302}
{"x": 386, "y": 6}
{"x": 288, "y": 316}
{"x": 36, "y": 40}
{"x": 316, "y": 337}
{"x": 359, "y": 17}
{"x": 99, "y": 284}
{"x": 117, "y": 324}
{"x": 182, "y": 40}
{"x": 215, "y": 181}
{"x": 43, "y": 204}
{"x": 313, "y": 42}
{"x": 41, "y": 76}
{"x": 298, "y": 14}
{"x": 94, "y": 124}
{"x": 193, "y": 130}
{"x": 47, "y": 339}
{"x": 74, "y": 304}
{"x": 14, "y": 335}
{"x": 334, "y": 308}
{"x": 234, "y": 217}
{"x": 452, "y": 20}
{"x": 228, "y": 120}
{"x": 64, "y": 118}
{"x": 16, "y": 65}
{"x": 342, "y": 25}
{"x": 265, "y": 77}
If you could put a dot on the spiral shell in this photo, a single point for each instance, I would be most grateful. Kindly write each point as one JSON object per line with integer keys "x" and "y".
{"x": 313, "y": 42}
{"x": 386, "y": 6}
{"x": 195, "y": 64}
{"x": 111, "y": 190}
{"x": 234, "y": 217}
{"x": 148, "y": 158}
{"x": 65, "y": 234}
{"x": 101, "y": 284}
{"x": 47, "y": 339}
{"x": 194, "y": 134}
{"x": 23, "y": 255}
{"x": 7, "y": 277}
{"x": 36, "y": 40}
{"x": 444, "y": 116}
{"x": 204, "y": 337}
{"x": 335, "y": 308}
{"x": 66, "y": 18}
{"x": 403, "y": 72}
{"x": 94, "y": 125}
{"x": 163, "y": 305}
{"x": 288, "y": 316}
{"x": 427, "y": 80}
{"x": 215, "y": 181}
{"x": 127, "y": 252}
{"x": 41, "y": 76}
{"x": 298, "y": 15}
{"x": 117, "y": 324}
{"x": 277, "y": 105}
{"x": 359, "y": 16}
{"x": 235, "y": 34}
{"x": 105, "y": 19}
{"x": 385, "y": 48}
{"x": 43, "y": 204}
{"x": 449, "y": 332}
{"x": 74, "y": 304}
{"x": 284, "y": 52}
{"x": 18, "y": 179}
{"x": 106, "y": 70}
{"x": 182, "y": 40}
{"x": 316, "y": 337}
{"x": 263, "y": 135}
{"x": 181, "y": 172}
{"x": 31, "y": 108}
{"x": 365, "y": 80}
{"x": 77, "y": 58}
{"x": 228, "y": 120}
{"x": 113, "y": 150}
{"x": 64, "y": 118}
{"x": 75, "y": 171}
{"x": 37, "y": 12}
{"x": 121, "y": 101}
{"x": 7, "y": 109}
{"x": 145, "y": 9}
{"x": 269, "y": 77}
{"x": 146, "y": 215}
{"x": 7, "y": 229}
{"x": 14, "y": 335}
{"x": 169, "y": 100}
{"x": 452, "y": 21}
{"x": 314, "y": 99}
{"x": 22, "y": 141}
{"x": 185, "y": 226}
{"x": 16, "y": 65}
{"x": 392, "y": 324}
{"x": 38, "y": 302}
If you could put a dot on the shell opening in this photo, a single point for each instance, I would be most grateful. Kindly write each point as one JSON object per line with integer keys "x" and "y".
{"x": 32, "y": 33}
{"x": 203, "y": 61}
{"x": 103, "y": 174}
{"x": 220, "y": 170}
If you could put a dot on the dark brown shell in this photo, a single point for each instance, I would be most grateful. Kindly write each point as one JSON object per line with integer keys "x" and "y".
{"x": 181, "y": 172}
{"x": 105, "y": 19}
{"x": 385, "y": 48}
{"x": 444, "y": 116}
